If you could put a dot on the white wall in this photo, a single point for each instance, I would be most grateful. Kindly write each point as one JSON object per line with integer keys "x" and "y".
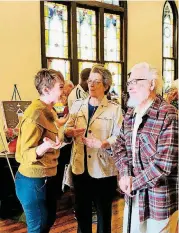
{"x": 20, "y": 42}
{"x": 20, "y": 47}
{"x": 145, "y": 33}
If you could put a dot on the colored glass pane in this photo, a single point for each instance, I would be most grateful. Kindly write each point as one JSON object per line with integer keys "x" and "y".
{"x": 168, "y": 73}
{"x": 86, "y": 34}
{"x": 114, "y": 2}
{"x": 56, "y": 30}
{"x": 115, "y": 69}
{"x": 60, "y": 65}
{"x": 111, "y": 37}
{"x": 83, "y": 65}
{"x": 168, "y": 31}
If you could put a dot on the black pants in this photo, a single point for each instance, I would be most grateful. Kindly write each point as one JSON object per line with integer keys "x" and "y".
{"x": 101, "y": 192}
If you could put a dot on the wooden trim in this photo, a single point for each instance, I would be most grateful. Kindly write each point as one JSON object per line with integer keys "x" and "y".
{"x": 163, "y": 42}
{"x": 175, "y": 38}
{"x": 125, "y": 42}
{"x": 67, "y": 3}
{"x": 97, "y": 35}
{"x": 101, "y": 5}
{"x": 100, "y": 9}
{"x": 101, "y": 35}
{"x": 42, "y": 26}
{"x": 107, "y": 61}
{"x": 74, "y": 49}
{"x": 69, "y": 32}
{"x": 59, "y": 58}
{"x": 124, "y": 51}
{"x": 83, "y": 60}
{"x": 171, "y": 58}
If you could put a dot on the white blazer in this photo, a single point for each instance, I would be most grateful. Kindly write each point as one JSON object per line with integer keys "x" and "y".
{"x": 105, "y": 125}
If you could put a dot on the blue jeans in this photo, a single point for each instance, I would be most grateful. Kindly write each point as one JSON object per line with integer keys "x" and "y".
{"x": 38, "y": 199}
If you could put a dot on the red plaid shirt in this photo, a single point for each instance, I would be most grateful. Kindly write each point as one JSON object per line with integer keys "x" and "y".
{"x": 156, "y": 159}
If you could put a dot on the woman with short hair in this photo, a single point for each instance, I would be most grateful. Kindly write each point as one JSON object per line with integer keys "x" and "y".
{"x": 37, "y": 152}
{"x": 93, "y": 124}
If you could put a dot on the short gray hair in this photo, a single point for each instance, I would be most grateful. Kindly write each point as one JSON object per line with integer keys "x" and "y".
{"x": 105, "y": 73}
{"x": 152, "y": 74}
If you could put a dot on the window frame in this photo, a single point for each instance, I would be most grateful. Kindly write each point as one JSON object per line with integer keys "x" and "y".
{"x": 175, "y": 39}
{"x": 100, "y": 8}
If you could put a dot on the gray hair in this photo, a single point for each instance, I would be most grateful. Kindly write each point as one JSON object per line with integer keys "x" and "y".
{"x": 105, "y": 73}
{"x": 150, "y": 74}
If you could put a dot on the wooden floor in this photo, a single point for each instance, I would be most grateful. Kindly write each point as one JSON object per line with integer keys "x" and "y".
{"x": 66, "y": 223}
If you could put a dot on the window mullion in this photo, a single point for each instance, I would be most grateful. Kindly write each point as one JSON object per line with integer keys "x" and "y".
{"x": 101, "y": 35}
{"x": 74, "y": 65}
{"x": 124, "y": 48}
{"x": 43, "y": 54}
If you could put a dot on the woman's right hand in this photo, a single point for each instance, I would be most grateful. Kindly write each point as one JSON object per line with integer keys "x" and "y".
{"x": 74, "y": 132}
{"x": 46, "y": 146}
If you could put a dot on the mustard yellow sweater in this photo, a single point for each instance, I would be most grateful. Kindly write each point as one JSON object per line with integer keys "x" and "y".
{"x": 37, "y": 123}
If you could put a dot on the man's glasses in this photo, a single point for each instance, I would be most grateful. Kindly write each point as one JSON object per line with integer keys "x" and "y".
{"x": 94, "y": 82}
{"x": 134, "y": 81}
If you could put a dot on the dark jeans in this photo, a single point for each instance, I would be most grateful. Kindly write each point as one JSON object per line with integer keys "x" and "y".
{"x": 101, "y": 192}
{"x": 38, "y": 199}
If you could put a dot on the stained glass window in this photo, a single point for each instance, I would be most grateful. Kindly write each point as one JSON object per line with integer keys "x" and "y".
{"x": 168, "y": 73}
{"x": 169, "y": 44}
{"x": 56, "y": 32}
{"x": 60, "y": 65}
{"x": 86, "y": 34}
{"x": 73, "y": 37}
{"x": 111, "y": 37}
{"x": 114, "y": 2}
{"x": 115, "y": 69}
{"x": 168, "y": 31}
{"x": 83, "y": 65}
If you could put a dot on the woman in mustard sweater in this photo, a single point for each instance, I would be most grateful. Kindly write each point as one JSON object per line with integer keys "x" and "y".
{"x": 37, "y": 152}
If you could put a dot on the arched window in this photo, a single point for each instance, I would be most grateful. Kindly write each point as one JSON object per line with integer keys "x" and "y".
{"x": 170, "y": 44}
{"x": 77, "y": 34}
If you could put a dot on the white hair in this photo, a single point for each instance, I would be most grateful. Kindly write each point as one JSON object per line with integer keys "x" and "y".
{"x": 149, "y": 73}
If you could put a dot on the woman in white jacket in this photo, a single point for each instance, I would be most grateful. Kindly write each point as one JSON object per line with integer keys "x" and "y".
{"x": 94, "y": 124}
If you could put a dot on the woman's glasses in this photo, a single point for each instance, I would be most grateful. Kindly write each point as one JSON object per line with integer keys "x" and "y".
{"x": 94, "y": 82}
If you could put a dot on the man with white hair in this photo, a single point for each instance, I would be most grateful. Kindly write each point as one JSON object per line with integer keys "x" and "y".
{"x": 146, "y": 154}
